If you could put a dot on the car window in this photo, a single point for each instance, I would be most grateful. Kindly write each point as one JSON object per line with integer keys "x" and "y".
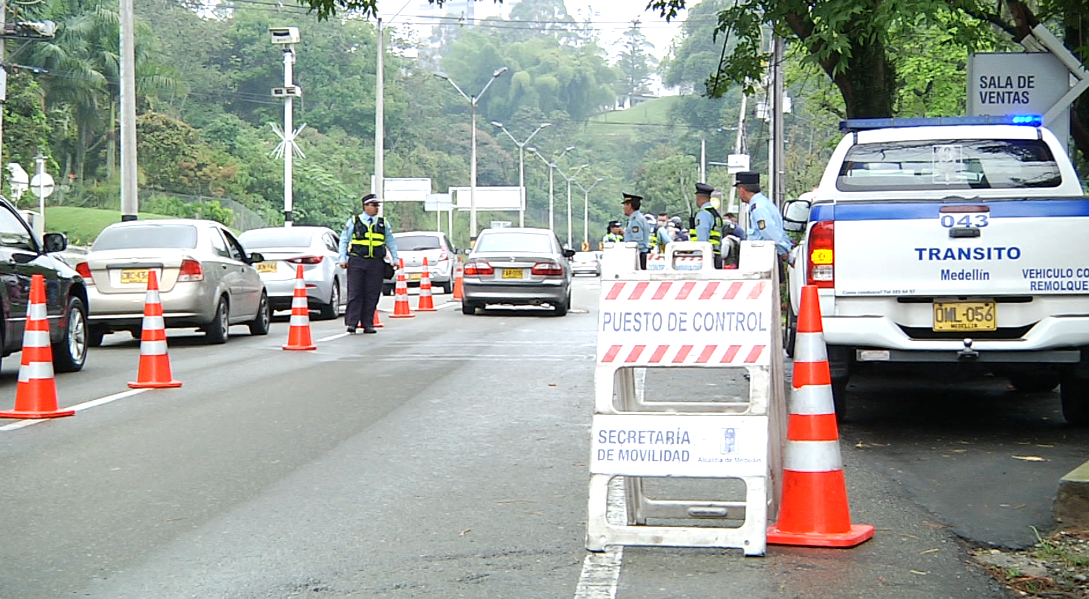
{"x": 219, "y": 245}
{"x": 331, "y": 242}
{"x": 234, "y": 246}
{"x": 13, "y": 233}
{"x": 282, "y": 237}
{"x": 146, "y": 236}
{"x": 415, "y": 243}
{"x": 585, "y": 256}
{"x": 515, "y": 242}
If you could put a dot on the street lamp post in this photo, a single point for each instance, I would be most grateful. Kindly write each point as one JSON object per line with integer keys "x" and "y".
{"x": 472, "y": 152}
{"x": 551, "y": 164}
{"x": 586, "y": 209}
{"x": 570, "y": 180}
{"x": 521, "y": 167}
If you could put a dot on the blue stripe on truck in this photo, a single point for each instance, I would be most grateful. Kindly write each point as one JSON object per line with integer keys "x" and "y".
{"x": 924, "y": 210}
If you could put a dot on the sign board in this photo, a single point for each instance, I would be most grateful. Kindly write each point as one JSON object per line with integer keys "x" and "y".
{"x": 1006, "y": 83}
{"x": 41, "y": 185}
{"x": 19, "y": 179}
{"x": 500, "y": 224}
{"x": 736, "y": 163}
{"x": 691, "y": 323}
{"x": 679, "y": 445}
{"x": 438, "y": 202}
{"x": 404, "y": 189}
{"x": 489, "y": 198}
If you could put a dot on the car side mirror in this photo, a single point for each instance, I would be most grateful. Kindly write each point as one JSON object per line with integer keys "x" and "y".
{"x": 256, "y": 257}
{"x": 55, "y": 242}
{"x": 569, "y": 253}
{"x": 796, "y": 215}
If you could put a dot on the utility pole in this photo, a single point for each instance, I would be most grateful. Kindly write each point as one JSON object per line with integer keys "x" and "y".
{"x": 129, "y": 201}
{"x": 586, "y": 209}
{"x": 703, "y": 157}
{"x": 551, "y": 164}
{"x": 286, "y": 38}
{"x": 521, "y": 166}
{"x": 3, "y": 73}
{"x": 380, "y": 121}
{"x": 777, "y": 166}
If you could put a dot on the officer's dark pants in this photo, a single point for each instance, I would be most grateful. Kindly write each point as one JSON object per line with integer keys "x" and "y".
{"x": 364, "y": 289}
{"x": 643, "y": 260}
{"x": 718, "y": 262}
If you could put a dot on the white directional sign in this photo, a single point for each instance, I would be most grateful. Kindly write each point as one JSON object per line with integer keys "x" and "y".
{"x": 489, "y": 198}
{"x": 408, "y": 189}
{"x": 42, "y": 185}
{"x": 438, "y": 202}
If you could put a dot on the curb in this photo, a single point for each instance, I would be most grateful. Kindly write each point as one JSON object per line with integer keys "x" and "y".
{"x": 1071, "y": 506}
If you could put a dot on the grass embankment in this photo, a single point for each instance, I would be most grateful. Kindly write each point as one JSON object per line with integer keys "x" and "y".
{"x": 82, "y": 225}
{"x": 649, "y": 114}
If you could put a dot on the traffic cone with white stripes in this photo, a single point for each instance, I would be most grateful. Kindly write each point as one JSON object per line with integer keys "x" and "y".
{"x": 814, "y": 510}
{"x": 425, "y": 303}
{"x": 154, "y": 371}
{"x": 459, "y": 285}
{"x": 377, "y": 323}
{"x": 36, "y": 392}
{"x": 400, "y": 303}
{"x": 298, "y": 336}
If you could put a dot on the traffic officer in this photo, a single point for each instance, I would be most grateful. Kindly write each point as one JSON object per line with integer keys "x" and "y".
{"x": 615, "y": 234}
{"x": 661, "y": 236}
{"x": 707, "y": 223}
{"x": 636, "y": 231}
{"x": 363, "y": 246}
{"x": 765, "y": 223}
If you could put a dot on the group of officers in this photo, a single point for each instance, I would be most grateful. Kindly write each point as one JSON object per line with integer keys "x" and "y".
{"x": 765, "y": 223}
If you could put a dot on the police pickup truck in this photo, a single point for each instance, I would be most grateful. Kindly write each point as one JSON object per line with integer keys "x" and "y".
{"x": 951, "y": 247}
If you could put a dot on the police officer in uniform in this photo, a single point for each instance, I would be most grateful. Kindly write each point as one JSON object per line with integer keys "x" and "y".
{"x": 765, "y": 222}
{"x": 615, "y": 234}
{"x": 363, "y": 245}
{"x": 637, "y": 229}
{"x": 707, "y": 223}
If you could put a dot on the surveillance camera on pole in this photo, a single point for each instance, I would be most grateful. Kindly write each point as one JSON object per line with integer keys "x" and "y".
{"x": 286, "y": 38}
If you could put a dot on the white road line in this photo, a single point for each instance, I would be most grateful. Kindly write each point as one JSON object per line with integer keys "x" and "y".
{"x": 331, "y": 337}
{"x": 601, "y": 571}
{"x": 449, "y": 304}
{"x": 83, "y": 406}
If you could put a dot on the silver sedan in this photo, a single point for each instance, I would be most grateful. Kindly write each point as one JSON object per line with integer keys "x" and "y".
{"x": 206, "y": 279}
{"x": 284, "y": 249}
{"x": 517, "y": 266}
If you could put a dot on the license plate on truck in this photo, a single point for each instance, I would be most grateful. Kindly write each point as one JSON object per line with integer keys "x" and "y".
{"x": 965, "y": 316}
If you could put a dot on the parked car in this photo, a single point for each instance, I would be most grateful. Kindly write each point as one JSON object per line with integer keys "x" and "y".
{"x": 317, "y": 249}
{"x": 586, "y": 263}
{"x": 517, "y": 266}
{"x": 23, "y": 255}
{"x": 413, "y": 247}
{"x": 206, "y": 279}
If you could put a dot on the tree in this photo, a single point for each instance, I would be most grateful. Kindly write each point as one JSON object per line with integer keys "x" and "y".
{"x": 635, "y": 62}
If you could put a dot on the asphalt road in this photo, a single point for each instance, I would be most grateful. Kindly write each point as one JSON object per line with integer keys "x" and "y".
{"x": 447, "y": 457}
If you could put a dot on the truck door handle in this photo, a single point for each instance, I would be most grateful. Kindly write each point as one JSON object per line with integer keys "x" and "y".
{"x": 964, "y": 232}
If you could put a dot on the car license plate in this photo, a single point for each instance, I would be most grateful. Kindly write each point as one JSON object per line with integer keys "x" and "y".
{"x": 965, "y": 316}
{"x": 266, "y": 267}
{"x": 133, "y": 276}
{"x": 414, "y": 276}
{"x": 512, "y": 273}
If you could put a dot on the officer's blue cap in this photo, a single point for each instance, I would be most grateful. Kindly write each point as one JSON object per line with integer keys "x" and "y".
{"x": 614, "y": 223}
{"x": 370, "y": 198}
{"x": 704, "y": 189}
{"x": 747, "y": 178}
{"x": 630, "y": 197}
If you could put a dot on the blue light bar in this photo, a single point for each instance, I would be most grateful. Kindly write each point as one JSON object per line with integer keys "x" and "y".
{"x": 1027, "y": 120}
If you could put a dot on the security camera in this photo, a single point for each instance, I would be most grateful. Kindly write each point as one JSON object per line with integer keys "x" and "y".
{"x": 284, "y": 35}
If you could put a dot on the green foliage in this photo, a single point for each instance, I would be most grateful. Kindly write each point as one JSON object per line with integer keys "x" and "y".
{"x": 178, "y": 208}
{"x": 82, "y": 225}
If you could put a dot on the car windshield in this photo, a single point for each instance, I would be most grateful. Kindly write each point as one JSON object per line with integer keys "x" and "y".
{"x": 257, "y": 239}
{"x": 949, "y": 165}
{"x": 146, "y": 236}
{"x": 514, "y": 242}
{"x": 415, "y": 243}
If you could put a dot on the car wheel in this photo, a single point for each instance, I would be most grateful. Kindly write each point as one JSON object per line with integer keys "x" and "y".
{"x": 839, "y": 398}
{"x": 261, "y": 321}
{"x": 95, "y": 335}
{"x": 219, "y": 329}
{"x": 331, "y": 310}
{"x": 561, "y": 308}
{"x": 790, "y": 332}
{"x": 70, "y": 354}
{"x": 468, "y": 308}
{"x": 1074, "y": 391}
{"x": 1034, "y": 382}
{"x": 448, "y": 287}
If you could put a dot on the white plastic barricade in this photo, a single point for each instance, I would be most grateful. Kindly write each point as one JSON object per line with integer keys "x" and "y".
{"x": 704, "y": 318}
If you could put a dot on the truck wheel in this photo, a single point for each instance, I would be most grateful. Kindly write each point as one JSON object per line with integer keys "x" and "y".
{"x": 839, "y": 398}
{"x": 1075, "y": 399}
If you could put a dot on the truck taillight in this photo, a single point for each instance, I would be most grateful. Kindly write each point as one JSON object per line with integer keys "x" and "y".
{"x": 822, "y": 258}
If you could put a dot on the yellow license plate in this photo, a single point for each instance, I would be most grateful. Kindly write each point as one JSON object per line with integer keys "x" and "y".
{"x": 266, "y": 267}
{"x": 414, "y": 276}
{"x": 965, "y": 316}
{"x": 512, "y": 273}
{"x": 132, "y": 276}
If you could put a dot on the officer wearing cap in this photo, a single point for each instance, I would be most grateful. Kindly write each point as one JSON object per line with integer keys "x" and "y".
{"x": 615, "y": 234}
{"x": 707, "y": 223}
{"x": 363, "y": 248}
{"x": 765, "y": 222}
{"x": 637, "y": 230}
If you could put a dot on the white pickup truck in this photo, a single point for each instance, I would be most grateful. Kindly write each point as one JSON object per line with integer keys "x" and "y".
{"x": 951, "y": 248}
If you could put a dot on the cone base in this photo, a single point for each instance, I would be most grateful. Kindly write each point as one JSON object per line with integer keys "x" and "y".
{"x": 402, "y": 316}
{"x": 300, "y": 347}
{"x": 858, "y": 534}
{"x": 37, "y": 415}
{"x": 154, "y": 384}
{"x": 427, "y": 309}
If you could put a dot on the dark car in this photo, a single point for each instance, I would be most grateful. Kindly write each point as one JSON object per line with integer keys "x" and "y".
{"x": 23, "y": 255}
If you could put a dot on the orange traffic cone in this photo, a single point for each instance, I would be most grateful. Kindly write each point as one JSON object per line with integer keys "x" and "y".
{"x": 298, "y": 336}
{"x": 36, "y": 392}
{"x": 377, "y": 323}
{"x": 814, "y": 510}
{"x": 459, "y": 291}
{"x": 425, "y": 303}
{"x": 400, "y": 304}
{"x": 154, "y": 371}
